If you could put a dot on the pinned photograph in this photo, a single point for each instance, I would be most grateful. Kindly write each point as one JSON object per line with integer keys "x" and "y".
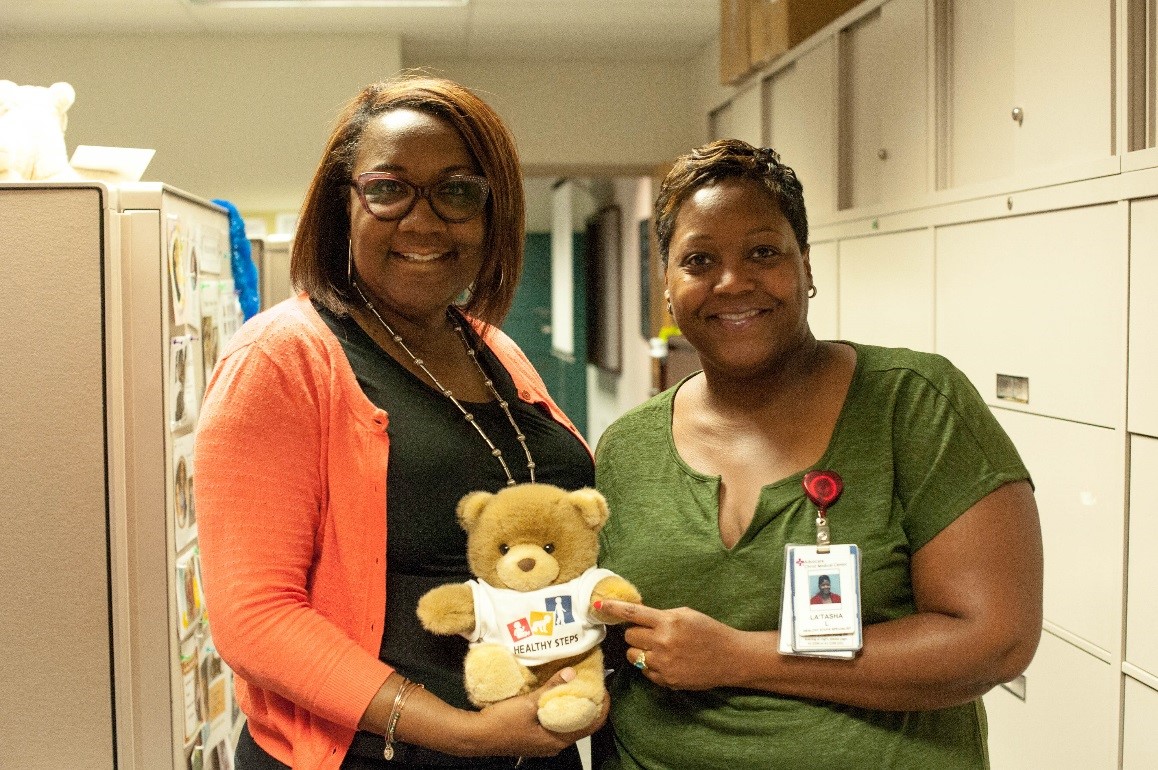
{"x": 210, "y": 330}
{"x": 178, "y": 247}
{"x": 181, "y": 385}
{"x": 184, "y": 507}
{"x": 189, "y": 602}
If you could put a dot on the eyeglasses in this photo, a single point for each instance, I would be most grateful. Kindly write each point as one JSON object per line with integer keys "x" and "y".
{"x": 454, "y": 199}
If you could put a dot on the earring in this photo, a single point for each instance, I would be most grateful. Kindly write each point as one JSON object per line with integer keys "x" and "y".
{"x": 349, "y": 262}
{"x": 812, "y": 291}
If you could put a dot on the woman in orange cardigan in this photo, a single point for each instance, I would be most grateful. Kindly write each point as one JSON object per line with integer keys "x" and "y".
{"x": 341, "y": 428}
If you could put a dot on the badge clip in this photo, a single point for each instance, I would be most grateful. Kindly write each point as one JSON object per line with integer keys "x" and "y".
{"x": 823, "y": 488}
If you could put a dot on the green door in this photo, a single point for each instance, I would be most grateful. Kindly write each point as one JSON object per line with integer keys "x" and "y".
{"x": 529, "y": 324}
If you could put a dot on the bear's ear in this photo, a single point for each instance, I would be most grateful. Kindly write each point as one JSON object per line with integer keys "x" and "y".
{"x": 470, "y": 508}
{"x": 8, "y": 91}
{"x": 591, "y": 505}
{"x": 63, "y": 95}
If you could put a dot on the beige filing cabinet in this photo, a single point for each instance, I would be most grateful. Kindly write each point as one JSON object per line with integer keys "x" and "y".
{"x": 1080, "y": 496}
{"x": 884, "y": 131}
{"x": 886, "y": 289}
{"x": 1139, "y": 749}
{"x": 1061, "y": 714}
{"x": 1019, "y": 137}
{"x": 1143, "y": 375}
{"x": 801, "y": 124}
{"x": 1006, "y": 110}
{"x": 1141, "y": 606}
{"x": 1020, "y": 298}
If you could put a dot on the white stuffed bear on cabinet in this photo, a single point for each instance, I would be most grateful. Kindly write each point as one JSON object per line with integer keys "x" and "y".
{"x": 32, "y": 122}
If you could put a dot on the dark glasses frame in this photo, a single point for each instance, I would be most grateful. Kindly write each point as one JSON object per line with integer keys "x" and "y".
{"x": 420, "y": 192}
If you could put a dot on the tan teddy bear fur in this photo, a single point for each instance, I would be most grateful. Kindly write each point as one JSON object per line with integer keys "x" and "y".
{"x": 525, "y": 538}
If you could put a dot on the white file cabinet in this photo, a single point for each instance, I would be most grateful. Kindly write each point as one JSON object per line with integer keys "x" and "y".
{"x": 1067, "y": 719}
{"x": 1139, "y": 740}
{"x": 1142, "y": 604}
{"x": 823, "y": 309}
{"x": 1143, "y": 414}
{"x": 886, "y": 289}
{"x": 1040, "y": 300}
{"x": 1077, "y": 475}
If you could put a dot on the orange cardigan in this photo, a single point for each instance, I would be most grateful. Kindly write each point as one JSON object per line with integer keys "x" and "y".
{"x": 290, "y": 485}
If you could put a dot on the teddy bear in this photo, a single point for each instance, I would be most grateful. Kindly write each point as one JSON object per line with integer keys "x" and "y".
{"x": 530, "y": 612}
{"x": 32, "y": 123}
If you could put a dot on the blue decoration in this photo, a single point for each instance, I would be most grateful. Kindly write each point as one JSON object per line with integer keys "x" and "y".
{"x": 241, "y": 261}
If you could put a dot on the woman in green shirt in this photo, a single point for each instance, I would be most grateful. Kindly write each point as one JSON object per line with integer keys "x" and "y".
{"x": 704, "y": 481}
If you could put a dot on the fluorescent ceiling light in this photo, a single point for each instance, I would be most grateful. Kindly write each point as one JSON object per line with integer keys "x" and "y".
{"x": 332, "y": 3}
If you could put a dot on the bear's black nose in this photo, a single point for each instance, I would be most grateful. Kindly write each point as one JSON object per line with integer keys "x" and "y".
{"x": 526, "y": 565}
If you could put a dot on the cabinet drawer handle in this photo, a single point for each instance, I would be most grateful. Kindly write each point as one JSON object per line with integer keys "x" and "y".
{"x": 1016, "y": 687}
{"x": 1013, "y": 388}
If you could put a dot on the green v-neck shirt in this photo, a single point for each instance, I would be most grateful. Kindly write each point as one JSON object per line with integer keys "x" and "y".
{"x": 916, "y": 447}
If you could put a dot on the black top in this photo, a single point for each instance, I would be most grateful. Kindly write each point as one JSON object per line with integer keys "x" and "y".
{"x": 436, "y": 458}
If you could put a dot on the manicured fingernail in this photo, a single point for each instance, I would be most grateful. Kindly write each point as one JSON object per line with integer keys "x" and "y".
{"x": 567, "y": 674}
{"x": 599, "y": 604}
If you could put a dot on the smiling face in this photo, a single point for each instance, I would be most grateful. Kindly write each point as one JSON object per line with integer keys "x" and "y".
{"x": 737, "y": 279}
{"x": 414, "y": 268}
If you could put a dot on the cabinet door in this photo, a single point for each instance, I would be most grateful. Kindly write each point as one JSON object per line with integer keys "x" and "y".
{"x": 1140, "y": 715}
{"x": 1040, "y": 297}
{"x": 823, "y": 309}
{"x": 801, "y": 125}
{"x": 886, "y": 289}
{"x": 747, "y": 119}
{"x": 1006, "y": 55}
{"x": 1143, "y": 406}
{"x": 980, "y": 94}
{"x": 1141, "y": 608}
{"x": 883, "y": 76}
{"x": 1068, "y": 718}
{"x": 1063, "y": 42}
{"x": 1076, "y": 470}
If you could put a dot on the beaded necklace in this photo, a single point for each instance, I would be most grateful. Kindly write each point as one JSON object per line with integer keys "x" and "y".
{"x": 506, "y": 407}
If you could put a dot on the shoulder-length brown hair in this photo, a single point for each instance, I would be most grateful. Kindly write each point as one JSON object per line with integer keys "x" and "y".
{"x": 321, "y": 244}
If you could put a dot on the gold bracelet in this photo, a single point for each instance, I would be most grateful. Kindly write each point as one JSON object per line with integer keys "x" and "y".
{"x": 396, "y": 712}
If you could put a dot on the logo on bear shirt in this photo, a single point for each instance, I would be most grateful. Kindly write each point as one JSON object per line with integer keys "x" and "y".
{"x": 558, "y": 612}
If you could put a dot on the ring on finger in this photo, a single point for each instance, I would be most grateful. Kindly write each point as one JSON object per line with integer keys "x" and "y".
{"x": 641, "y": 661}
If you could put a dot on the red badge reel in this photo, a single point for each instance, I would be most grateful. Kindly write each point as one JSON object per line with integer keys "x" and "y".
{"x": 823, "y": 488}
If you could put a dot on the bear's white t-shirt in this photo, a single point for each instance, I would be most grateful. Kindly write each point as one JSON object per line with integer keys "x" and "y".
{"x": 538, "y": 626}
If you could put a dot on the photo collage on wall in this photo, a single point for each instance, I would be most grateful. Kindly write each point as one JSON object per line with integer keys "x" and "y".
{"x": 205, "y": 313}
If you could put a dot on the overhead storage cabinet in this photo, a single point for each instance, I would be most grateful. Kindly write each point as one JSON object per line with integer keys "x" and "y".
{"x": 1025, "y": 85}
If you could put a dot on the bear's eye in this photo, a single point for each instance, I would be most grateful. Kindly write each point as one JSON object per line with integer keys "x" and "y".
{"x": 549, "y": 548}
{"x": 504, "y": 549}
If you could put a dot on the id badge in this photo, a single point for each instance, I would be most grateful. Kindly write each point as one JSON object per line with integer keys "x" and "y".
{"x": 825, "y": 597}
{"x": 820, "y": 609}
{"x": 814, "y": 646}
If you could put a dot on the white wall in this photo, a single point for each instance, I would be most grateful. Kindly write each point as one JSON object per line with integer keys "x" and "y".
{"x": 588, "y": 115}
{"x": 236, "y": 117}
{"x": 610, "y": 396}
